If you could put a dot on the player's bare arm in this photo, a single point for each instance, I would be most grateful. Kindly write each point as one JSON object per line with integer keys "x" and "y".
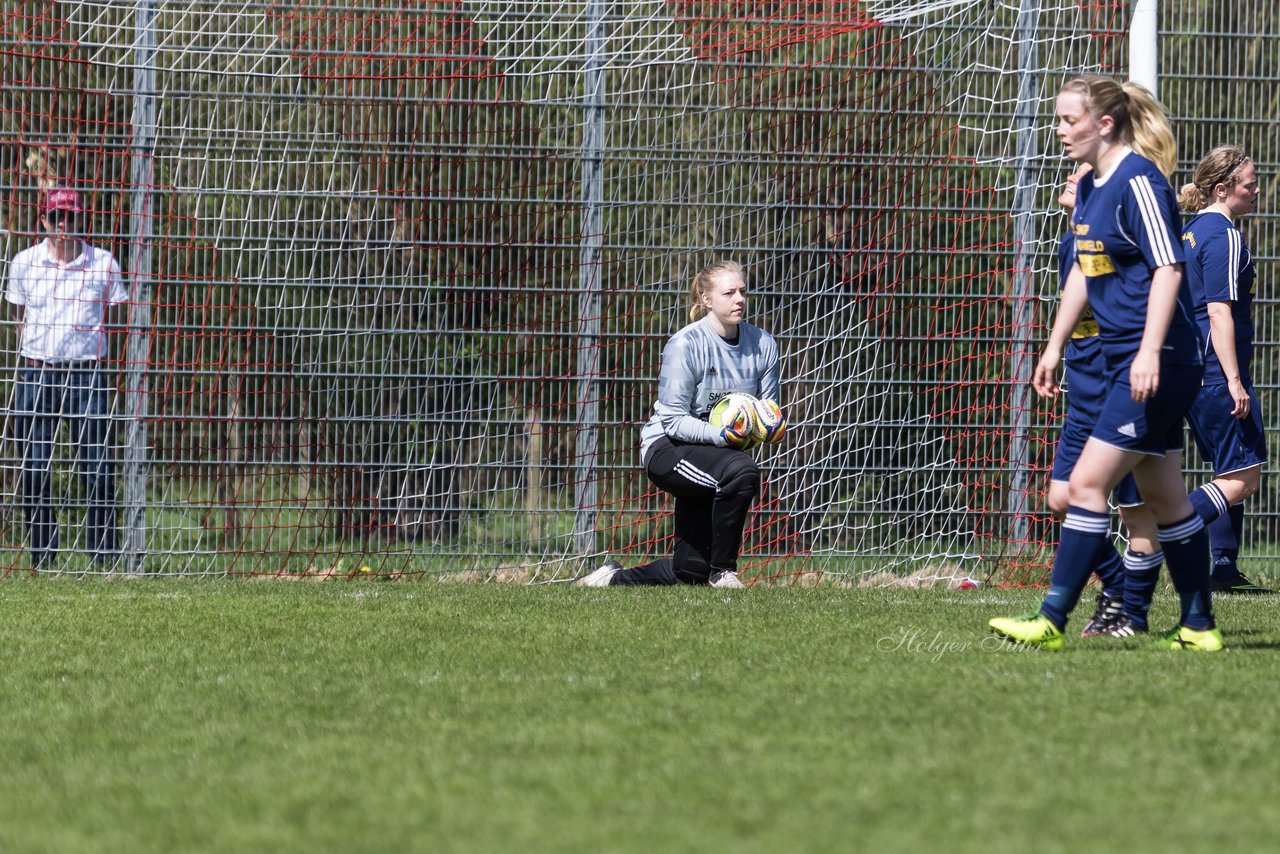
{"x": 1144, "y": 375}
{"x": 1075, "y": 299}
{"x": 1222, "y": 334}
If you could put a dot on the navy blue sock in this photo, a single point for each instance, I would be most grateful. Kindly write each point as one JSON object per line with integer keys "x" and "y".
{"x": 1142, "y": 574}
{"x": 1186, "y": 548}
{"x": 1209, "y": 502}
{"x": 1110, "y": 570}
{"x": 1224, "y": 537}
{"x": 1083, "y": 533}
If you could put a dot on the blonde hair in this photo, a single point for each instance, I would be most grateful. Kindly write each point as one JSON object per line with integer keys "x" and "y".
{"x": 702, "y": 284}
{"x": 1219, "y": 166}
{"x": 1140, "y": 120}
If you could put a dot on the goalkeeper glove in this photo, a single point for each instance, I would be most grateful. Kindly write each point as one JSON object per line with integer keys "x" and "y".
{"x": 733, "y": 439}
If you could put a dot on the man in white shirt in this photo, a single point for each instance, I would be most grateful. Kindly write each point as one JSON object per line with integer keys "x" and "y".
{"x": 61, "y": 289}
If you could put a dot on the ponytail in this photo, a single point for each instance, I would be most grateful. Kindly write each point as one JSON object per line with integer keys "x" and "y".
{"x": 1219, "y": 166}
{"x": 1149, "y": 131}
{"x": 702, "y": 283}
{"x": 1140, "y": 120}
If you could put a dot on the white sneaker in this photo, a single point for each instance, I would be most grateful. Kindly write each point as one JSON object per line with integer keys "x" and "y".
{"x": 725, "y": 578}
{"x": 600, "y": 577}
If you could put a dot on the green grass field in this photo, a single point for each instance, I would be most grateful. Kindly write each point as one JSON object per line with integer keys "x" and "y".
{"x": 368, "y": 716}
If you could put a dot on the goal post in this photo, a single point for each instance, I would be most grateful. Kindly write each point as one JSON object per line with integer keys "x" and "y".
{"x": 1144, "y": 37}
{"x": 133, "y": 520}
{"x": 400, "y": 274}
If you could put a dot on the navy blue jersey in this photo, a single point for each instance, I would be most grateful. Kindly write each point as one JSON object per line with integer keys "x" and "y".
{"x": 1087, "y": 328}
{"x": 1086, "y": 382}
{"x": 1220, "y": 269}
{"x": 1126, "y": 225}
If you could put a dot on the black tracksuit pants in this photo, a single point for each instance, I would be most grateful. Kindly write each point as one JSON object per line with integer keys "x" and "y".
{"x": 713, "y": 488}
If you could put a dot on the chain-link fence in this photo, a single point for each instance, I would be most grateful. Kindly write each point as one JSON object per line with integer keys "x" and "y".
{"x": 400, "y": 274}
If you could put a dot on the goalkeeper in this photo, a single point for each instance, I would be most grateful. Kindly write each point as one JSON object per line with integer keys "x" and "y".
{"x": 713, "y": 480}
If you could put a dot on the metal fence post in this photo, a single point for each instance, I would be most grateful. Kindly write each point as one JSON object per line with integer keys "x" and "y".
{"x": 1024, "y": 313}
{"x": 141, "y": 176}
{"x": 586, "y": 495}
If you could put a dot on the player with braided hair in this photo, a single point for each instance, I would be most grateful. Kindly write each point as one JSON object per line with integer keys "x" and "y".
{"x": 1226, "y": 417}
{"x": 704, "y": 467}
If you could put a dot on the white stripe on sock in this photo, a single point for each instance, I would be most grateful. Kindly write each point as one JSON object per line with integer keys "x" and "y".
{"x": 1087, "y": 524}
{"x": 1180, "y": 530}
{"x": 1132, "y": 561}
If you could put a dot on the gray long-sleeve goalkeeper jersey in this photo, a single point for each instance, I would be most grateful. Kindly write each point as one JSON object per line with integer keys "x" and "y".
{"x": 698, "y": 368}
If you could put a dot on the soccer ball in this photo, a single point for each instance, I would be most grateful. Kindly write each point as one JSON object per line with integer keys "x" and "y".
{"x": 736, "y": 410}
{"x": 770, "y": 423}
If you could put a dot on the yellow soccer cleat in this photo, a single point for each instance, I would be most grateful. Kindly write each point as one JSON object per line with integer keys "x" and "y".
{"x": 1181, "y": 637}
{"x": 1031, "y": 630}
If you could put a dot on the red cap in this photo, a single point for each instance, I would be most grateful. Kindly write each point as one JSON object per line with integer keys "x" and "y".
{"x": 63, "y": 199}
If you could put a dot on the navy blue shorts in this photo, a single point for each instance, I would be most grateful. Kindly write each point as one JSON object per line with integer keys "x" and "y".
{"x": 1085, "y": 377}
{"x": 1086, "y": 381}
{"x": 1152, "y": 427}
{"x": 1228, "y": 443}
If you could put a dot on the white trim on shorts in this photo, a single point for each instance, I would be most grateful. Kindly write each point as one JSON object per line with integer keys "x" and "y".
{"x": 1160, "y": 455}
{"x": 1118, "y": 503}
{"x": 1256, "y": 465}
